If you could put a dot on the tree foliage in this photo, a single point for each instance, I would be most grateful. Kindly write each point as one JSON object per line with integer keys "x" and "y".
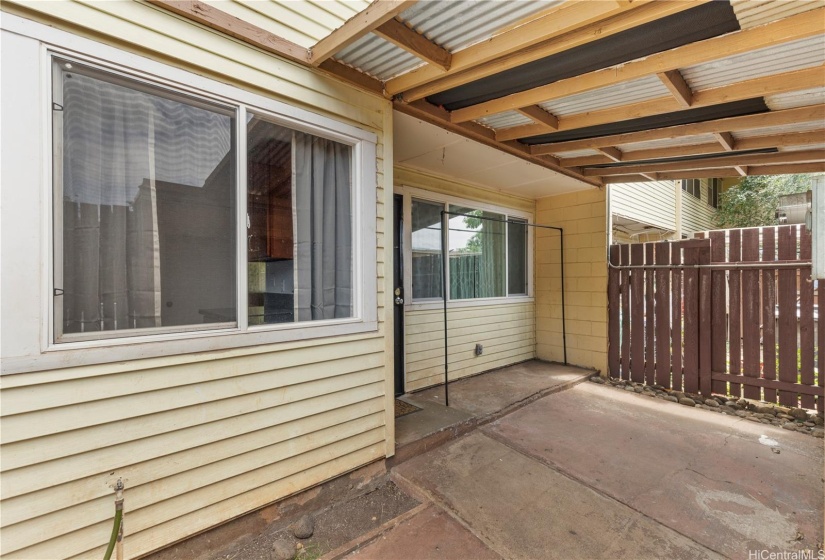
{"x": 753, "y": 202}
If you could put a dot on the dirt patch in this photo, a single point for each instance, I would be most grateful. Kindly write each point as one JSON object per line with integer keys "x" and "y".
{"x": 334, "y": 526}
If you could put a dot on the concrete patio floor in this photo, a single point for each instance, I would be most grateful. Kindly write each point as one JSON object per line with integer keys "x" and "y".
{"x": 477, "y": 400}
{"x": 592, "y": 472}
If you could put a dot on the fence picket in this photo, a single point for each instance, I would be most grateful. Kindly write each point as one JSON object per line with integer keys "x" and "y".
{"x": 806, "y": 318}
{"x": 769, "y": 311}
{"x": 637, "y": 315}
{"x": 650, "y": 318}
{"x": 662, "y": 257}
{"x": 734, "y": 310}
{"x": 750, "y": 312}
{"x": 705, "y": 312}
{"x": 677, "y": 329}
{"x": 691, "y": 305}
{"x": 719, "y": 326}
{"x": 786, "y": 295}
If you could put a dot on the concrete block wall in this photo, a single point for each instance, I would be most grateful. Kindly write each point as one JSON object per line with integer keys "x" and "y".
{"x": 584, "y": 219}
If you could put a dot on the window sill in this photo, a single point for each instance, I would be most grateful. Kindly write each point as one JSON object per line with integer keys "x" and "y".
{"x": 461, "y": 303}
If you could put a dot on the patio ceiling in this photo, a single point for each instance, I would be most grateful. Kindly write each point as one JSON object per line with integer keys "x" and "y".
{"x": 600, "y": 91}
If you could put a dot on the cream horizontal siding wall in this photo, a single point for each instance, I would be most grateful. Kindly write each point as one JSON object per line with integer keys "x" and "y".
{"x": 198, "y": 438}
{"x": 652, "y": 203}
{"x": 505, "y": 330}
{"x": 507, "y": 333}
{"x": 697, "y": 214}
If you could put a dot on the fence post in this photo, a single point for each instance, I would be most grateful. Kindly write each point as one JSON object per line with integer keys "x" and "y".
{"x": 613, "y": 306}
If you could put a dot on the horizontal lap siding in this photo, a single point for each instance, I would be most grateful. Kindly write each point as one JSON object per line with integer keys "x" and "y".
{"x": 652, "y": 203}
{"x": 201, "y": 438}
{"x": 507, "y": 333}
{"x": 697, "y": 214}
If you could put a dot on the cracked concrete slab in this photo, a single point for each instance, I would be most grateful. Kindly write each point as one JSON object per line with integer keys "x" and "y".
{"x": 700, "y": 473}
{"x": 521, "y": 508}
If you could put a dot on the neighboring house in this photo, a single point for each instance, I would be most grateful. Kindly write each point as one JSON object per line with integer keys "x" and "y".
{"x": 662, "y": 210}
{"x": 221, "y": 224}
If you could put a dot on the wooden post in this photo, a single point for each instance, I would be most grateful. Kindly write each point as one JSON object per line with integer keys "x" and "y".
{"x": 613, "y": 313}
{"x": 624, "y": 254}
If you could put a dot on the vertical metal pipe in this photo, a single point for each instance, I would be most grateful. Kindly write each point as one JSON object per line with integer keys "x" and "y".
{"x": 444, "y": 263}
{"x": 563, "y": 322}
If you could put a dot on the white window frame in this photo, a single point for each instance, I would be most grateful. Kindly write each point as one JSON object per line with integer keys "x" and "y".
{"x": 51, "y": 354}
{"x": 410, "y": 193}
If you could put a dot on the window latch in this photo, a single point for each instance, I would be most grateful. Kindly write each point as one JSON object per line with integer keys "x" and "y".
{"x": 58, "y": 292}
{"x": 56, "y": 106}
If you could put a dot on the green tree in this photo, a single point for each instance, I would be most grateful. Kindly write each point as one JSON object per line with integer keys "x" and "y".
{"x": 753, "y": 201}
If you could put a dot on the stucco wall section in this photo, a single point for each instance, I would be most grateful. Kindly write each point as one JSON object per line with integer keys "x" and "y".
{"x": 583, "y": 217}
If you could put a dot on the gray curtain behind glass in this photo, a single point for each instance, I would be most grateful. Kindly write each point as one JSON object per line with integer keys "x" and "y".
{"x": 119, "y": 144}
{"x": 323, "y": 229}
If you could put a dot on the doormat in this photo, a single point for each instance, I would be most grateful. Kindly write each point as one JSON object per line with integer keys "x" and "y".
{"x": 403, "y": 408}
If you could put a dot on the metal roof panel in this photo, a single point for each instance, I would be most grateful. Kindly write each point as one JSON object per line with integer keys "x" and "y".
{"x": 787, "y": 57}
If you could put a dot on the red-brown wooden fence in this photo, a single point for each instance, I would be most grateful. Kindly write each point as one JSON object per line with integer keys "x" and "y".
{"x": 731, "y": 312}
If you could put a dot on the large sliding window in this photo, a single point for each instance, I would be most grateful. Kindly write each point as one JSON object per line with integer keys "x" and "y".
{"x": 146, "y": 219}
{"x": 487, "y": 252}
{"x": 145, "y": 207}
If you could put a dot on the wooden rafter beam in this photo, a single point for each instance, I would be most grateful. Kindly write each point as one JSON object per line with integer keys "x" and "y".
{"x": 742, "y": 170}
{"x": 813, "y": 113}
{"x": 782, "y": 31}
{"x": 439, "y": 117}
{"x": 219, "y": 20}
{"x": 540, "y": 116}
{"x": 678, "y": 87}
{"x": 787, "y": 169}
{"x": 614, "y": 154}
{"x": 365, "y": 21}
{"x": 720, "y": 172}
{"x": 726, "y": 140}
{"x": 564, "y": 27}
{"x": 698, "y": 174}
{"x": 766, "y": 85}
{"x": 414, "y": 43}
{"x": 753, "y": 143}
{"x": 807, "y": 156}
